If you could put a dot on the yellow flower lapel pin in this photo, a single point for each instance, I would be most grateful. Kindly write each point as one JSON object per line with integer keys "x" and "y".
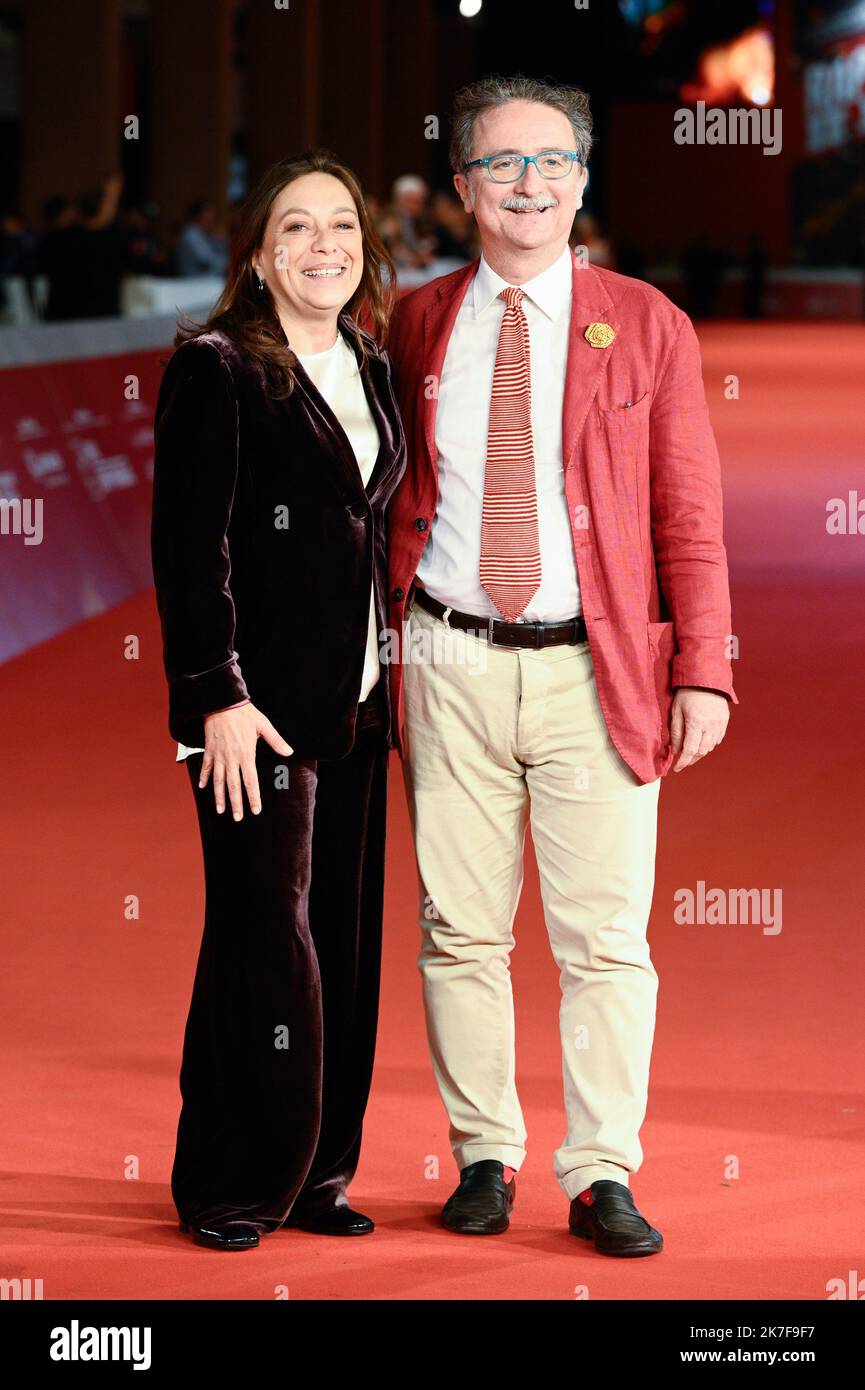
{"x": 599, "y": 335}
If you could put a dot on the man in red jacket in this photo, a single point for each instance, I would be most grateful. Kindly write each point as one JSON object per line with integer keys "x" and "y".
{"x": 559, "y": 585}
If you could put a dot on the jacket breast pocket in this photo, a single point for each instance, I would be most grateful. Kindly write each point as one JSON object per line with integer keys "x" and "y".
{"x": 620, "y": 411}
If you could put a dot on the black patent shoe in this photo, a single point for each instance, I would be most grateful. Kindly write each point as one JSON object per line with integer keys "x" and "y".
{"x": 232, "y": 1235}
{"x": 481, "y": 1204}
{"x": 613, "y": 1222}
{"x": 337, "y": 1221}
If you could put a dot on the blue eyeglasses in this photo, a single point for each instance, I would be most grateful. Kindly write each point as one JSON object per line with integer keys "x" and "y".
{"x": 507, "y": 168}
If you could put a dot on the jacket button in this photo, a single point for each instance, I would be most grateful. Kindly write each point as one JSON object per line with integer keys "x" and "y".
{"x": 398, "y": 595}
{"x": 421, "y": 523}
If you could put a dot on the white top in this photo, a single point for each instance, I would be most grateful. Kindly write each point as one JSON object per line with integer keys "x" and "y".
{"x": 450, "y": 564}
{"x": 335, "y": 374}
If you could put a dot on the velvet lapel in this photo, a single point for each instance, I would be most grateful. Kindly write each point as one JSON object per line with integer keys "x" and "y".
{"x": 375, "y": 385}
{"x": 342, "y": 455}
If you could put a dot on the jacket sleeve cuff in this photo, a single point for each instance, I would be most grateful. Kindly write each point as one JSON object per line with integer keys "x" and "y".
{"x": 195, "y": 696}
{"x": 709, "y": 675}
{"x": 223, "y": 708}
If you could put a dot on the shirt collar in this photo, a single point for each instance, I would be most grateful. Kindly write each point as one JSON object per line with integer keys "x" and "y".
{"x": 550, "y": 291}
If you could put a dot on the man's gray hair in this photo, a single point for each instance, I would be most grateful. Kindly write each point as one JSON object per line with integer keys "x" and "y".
{"x": 471, "y": 101}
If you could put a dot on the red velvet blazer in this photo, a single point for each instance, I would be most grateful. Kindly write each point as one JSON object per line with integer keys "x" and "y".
{"x": 643, "y": 489}
{"x": 264, "y": 543}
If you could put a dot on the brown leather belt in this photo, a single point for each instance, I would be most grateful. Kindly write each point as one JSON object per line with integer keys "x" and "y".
{"x": 501, "y": 634}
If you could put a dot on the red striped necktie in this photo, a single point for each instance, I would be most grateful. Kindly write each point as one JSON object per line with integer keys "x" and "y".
{"x": 510, "y": 568}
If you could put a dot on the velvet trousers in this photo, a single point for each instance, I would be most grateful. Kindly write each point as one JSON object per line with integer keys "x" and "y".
{"x": 280, "y": 1037}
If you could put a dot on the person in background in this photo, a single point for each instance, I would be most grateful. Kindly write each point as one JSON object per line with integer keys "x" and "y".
{"x": 411, "y": 237}
{"x": 58, "y": 216}
{"x": 101, "y": 249}
{"x": 453, "y": 228}
{"x": 82, "y": 254}
{"x": 201, "y": 248}
{"x": 143, "y": 252}
{"x": 17, "y": 252}
{"x": 586, "y": 237}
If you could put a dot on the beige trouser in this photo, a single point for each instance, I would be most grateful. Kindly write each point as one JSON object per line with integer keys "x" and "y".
{"x": 493, "y": 737}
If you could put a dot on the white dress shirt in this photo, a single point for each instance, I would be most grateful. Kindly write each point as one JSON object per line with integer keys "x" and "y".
{"x": 336, "y": 376}
{"x": 450, "y": 565}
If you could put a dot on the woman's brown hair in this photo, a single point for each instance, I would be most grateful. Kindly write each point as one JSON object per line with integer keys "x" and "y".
{"x": 247, "y": 315}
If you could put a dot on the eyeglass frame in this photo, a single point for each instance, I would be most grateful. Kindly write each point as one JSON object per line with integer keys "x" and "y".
{"x": 527, "y": 160}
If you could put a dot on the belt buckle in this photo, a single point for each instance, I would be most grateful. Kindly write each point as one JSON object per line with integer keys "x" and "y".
{"x": 505, "y": 646}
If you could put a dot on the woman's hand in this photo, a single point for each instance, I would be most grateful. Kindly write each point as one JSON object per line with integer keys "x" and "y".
{"x": 230, "y": 737}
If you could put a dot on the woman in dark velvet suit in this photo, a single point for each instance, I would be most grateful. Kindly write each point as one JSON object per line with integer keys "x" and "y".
{"x": 278, "y": 445}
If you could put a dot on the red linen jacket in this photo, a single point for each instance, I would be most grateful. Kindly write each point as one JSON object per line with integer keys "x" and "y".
{"x": 643, "y": 488}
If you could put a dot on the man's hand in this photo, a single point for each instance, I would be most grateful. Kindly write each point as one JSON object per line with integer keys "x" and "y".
{"x": 697, "y": 724}
{"x": 230, "y": 737}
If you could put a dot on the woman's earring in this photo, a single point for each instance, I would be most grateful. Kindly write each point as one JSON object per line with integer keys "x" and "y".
{"x": 260, "y": 283}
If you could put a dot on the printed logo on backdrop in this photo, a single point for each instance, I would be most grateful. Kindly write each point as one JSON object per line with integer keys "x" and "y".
{"x": 834, "y": 102}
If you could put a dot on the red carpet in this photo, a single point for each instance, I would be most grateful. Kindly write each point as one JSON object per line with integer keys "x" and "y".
{"x": 758, "y": 1059}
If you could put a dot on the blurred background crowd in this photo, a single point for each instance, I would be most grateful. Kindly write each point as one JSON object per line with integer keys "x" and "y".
{"x": 73, "y": 264}
{"x": 118, "y": 196}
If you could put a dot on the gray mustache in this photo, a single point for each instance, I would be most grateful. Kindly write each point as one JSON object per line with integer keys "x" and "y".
{"x": 520, "y": 200}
